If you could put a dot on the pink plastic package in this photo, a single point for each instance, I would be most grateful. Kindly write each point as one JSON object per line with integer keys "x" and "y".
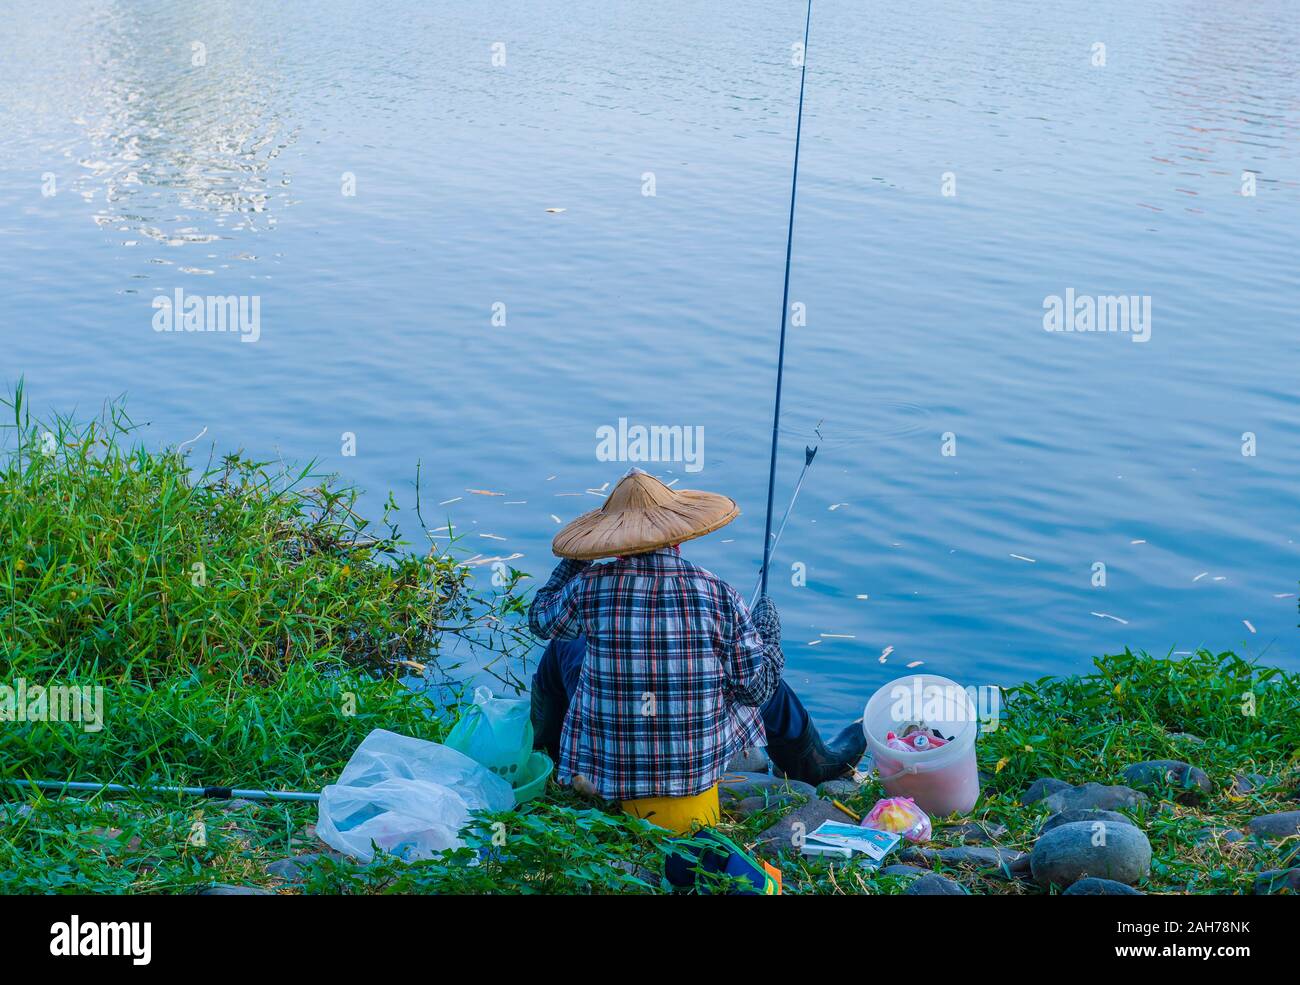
{"x": 899, "y": 815}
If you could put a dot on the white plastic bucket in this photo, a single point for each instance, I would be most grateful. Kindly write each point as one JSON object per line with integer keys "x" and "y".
{"x": 943, "y": 780}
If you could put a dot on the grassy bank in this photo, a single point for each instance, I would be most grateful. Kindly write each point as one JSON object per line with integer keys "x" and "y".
{"x": 249, "y": 628}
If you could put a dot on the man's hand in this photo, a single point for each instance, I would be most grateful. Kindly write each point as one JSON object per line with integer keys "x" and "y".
{"x": 767, "y": 620}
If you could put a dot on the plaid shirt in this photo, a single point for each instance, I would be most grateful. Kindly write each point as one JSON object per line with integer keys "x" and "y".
{"x": 674, "y": 673}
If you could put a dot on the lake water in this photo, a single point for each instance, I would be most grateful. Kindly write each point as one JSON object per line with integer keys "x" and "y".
{"x": 207, "y": 147}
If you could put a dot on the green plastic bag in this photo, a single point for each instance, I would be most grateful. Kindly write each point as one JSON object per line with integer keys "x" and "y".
{"x": 496, "y": 732}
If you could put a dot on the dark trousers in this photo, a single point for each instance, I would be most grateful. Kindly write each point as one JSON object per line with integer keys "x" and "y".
{"x": 784, "y": 716}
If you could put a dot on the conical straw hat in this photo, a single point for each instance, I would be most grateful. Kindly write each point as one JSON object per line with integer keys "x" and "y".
{"x": 642, "y": 514}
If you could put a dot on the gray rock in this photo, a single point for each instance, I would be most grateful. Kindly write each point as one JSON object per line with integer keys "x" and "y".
{"x": 803, "y": 820}
{"x": 752, "y": 759}
{"x": 752, "y": 805}
{"x": 1089, "y": 814}
{"x": 1067, "y": 853}
{"x": 1278, "y": 882}
{"x": 1101, "y": 887}
{"x": 1094, "y": 796}
{"x": 933, "y": 885}
{"x": 1157, "y": 775}
{"x": 975, "y": 832}
{"x": 1245, "y": 783}
{"x": 1021, "y": 869}
{"x": 1044, "y": 786}
{"x": 738, "y": 786}
{"x": 966, "y": 857}
{"x": 839, "y": 788}
{"x": 291, "y": 869}
{"x": 1216, "y": 833}
{"x": 223, "y": 889}
{"x": 1281, "y": 825}
{"x": 904, "y": 870}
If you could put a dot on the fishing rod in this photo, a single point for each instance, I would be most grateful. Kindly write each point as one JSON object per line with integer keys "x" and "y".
{"x": 785, "y": 308}
{"x": 214, "y": 793}
{"x": 808, "y": 454}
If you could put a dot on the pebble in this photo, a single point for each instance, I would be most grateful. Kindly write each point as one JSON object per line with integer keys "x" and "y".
{"x": 964, "y": 856}
{"x": 1092, "y": 886}
{"x": 904, "y": 870}
{"x": 738, "y": 786}
{"x": 839, "y": 788}
{"x": 1067, "y": 854}
{"x": 1277, "y": 882}
{"x": 782, "y": 835}
{"x": 1245, "y": 783}
{"x": 224, "y": 889}
{"x": 291, "y": 869}
{"x": 1044, "y": 786}
{"x": 1217, "y": 833}
{"x": 1090, "y": 814}
{"x": 1094, "y": 796}
{"x": 935, "y": 885}
{"x": 975, "y": 832}
{"x": 1285, "y": 824}
{"x": 1156, "y": 775}
{"x": 752, "y": 759}
{"x": 752, "y": 805}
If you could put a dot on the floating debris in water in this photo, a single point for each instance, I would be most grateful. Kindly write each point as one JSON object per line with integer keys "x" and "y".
{"x": 1137, "y": 541}
{"x": 484, "y": 492}
{"x": 837, "y": 636}
{"x": 454, "y": 499}
{"x": 836, "y": 506}
{"x": 814, "y": 642}
{"x": 864, "y": 597}
{"x": 1285, "y": 595}
{"x": 915, "y": 663}
{"x": 1021, "y": 557}
{"x": 549, "y": 478}
{"x": 1220, "y": 578}
{"x": 556, "y": 518}
{"x": 555, "y": 211}
{"x": 884, "y": 654}
{"x": 1200, "y": 576}
{"x": 1107, "y": 615}
{"x": 479, "y": 559}
{"x": 568, "y": 494}
{"x": 1248, "y": 625}
{"x": 514, "y": 502}
{"x": 492, "y": 536}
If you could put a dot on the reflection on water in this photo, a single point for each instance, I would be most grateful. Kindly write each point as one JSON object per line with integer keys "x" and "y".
{"x": 179, "y": 140}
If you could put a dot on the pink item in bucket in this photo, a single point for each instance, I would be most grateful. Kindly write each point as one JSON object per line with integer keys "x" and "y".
{"x": 916, "y": 742}
{"x": 941, "y": 778}
{"x": 899, "y": 815}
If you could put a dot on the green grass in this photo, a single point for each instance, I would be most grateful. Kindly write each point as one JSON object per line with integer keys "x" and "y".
{"x": 270, "y": 668}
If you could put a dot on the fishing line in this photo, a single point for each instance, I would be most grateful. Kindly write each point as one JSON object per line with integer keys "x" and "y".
{"x": 785, "y": 308}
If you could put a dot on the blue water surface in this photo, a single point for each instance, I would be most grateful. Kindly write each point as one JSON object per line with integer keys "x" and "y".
{"x": 442, "y": 315}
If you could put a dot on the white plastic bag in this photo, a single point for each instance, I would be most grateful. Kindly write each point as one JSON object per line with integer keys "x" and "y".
{"x": 408, "y": 796}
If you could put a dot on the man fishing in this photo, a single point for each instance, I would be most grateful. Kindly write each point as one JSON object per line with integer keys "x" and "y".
{"x": 657, "y": 674}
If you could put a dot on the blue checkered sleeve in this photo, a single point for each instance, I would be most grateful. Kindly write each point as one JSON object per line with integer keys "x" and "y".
{"x": 753, "y": 663}
{"x": 556, "y": 611}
